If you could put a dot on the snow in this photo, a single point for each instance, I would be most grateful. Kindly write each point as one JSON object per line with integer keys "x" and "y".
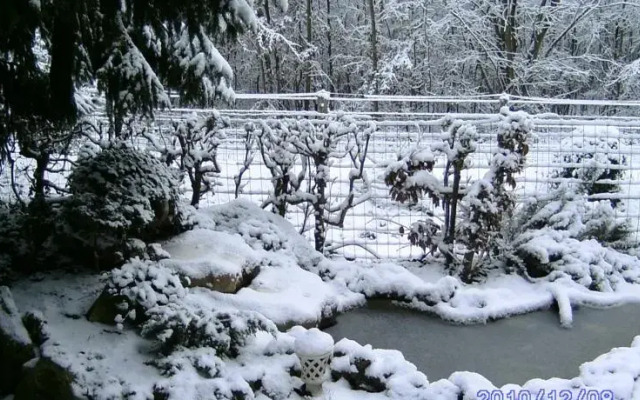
{"x": 108, "y": 363}
{"x": 10, "y": 322}
{"x": 200, "y": 253}
{"x": 564, "y": 305}
{"x": 295, "y": 286}
{"x": 312, "y": 342}
{"x": 105, "y": 362}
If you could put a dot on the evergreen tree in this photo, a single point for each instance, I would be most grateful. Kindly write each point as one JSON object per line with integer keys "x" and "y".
{"x": 134, "y": 49}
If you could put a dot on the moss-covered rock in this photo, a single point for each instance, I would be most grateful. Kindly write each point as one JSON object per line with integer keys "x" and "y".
{"x": 107, "y": 307}
{"x": 46, "y": 381}
{"x": 16, "y": 347}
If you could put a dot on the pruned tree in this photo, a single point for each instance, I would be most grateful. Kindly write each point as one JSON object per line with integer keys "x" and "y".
{"x": 300, "y": 142}
{"x": 412, "y": 177}
{"x": 474, "y": 214}
{"x": 281, "y": 157}
{"x": 192, "y": 144}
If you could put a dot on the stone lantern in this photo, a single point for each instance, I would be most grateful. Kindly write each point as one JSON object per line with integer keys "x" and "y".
{"x": 314, "y": 348}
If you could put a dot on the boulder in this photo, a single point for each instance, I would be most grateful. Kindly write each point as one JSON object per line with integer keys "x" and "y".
{"x": 214, "y": 260}
{"x": 226, "y": 283}
{"x": 106, "y": 307}
{"x": 46, "y": 380}
{"x": 16, "y": 347}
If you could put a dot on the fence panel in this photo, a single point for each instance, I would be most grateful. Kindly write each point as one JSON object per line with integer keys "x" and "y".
{"x": 372, "y": 229}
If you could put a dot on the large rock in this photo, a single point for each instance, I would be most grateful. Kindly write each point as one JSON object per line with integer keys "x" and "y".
{"x": 106, "y": 307}
{"x": 16, "y": 347}
{"x": 215, "y": 260}
{"x": 46, "y": 381}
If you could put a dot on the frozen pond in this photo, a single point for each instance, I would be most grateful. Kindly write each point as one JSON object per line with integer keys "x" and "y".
{"x": 512, "y": 350}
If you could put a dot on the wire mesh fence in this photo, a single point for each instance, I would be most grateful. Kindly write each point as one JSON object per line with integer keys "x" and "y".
{"x": 561, "y": 148}
{"x": 564, "y": 149}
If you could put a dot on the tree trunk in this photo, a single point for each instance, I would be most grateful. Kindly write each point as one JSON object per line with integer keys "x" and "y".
{"x": 307, "y": 83}
{"x": 374, "y": 51}
{"x": 329, "y": 49}
{"x": 450, "y": 234}
{"x": 196, "y": 186}
{"x": 42, "y": 162}
{"x": 322, "y": 172}
{"x": 63, "y": 46}
{"x": 281, "y": 190}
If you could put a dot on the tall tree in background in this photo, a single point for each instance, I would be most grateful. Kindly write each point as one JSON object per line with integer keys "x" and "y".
{"x": 552, "y": 48}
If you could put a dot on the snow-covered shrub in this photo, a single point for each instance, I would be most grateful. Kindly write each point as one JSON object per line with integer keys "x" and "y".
{"x": 489, "y": 203}
{"x": 564, "y": 234}
{"x": 204, "y": 360}
{"x": 135, "y": 288}
{"x": 597, "y": 150}
{"x": 377, "y": 370}
{"x": 411, "y": 178}
{"x": 37, "y": 326}
{"x": 193, "y": 144}
{"x": 474, "y": 214}
{"x": 424, "y": 234}
{"x": 563, "y": 209}
{"x": 263, "y": 230}
{"x": 31, "y": 239}
{"x": 120, "y": 193}
{"x": 13, "y": 246}
{"x": 194, "y": 387}
{"x": 175, "y": 325}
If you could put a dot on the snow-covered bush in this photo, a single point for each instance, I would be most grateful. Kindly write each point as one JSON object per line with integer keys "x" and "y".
{"x": 13, "y": 246}
{"x": 263, "y": 230}
{"x": 377, "y": 371}
{"x": 563, "y": 233}
{"x": 597, "y": 150}
{"x": 411, "y": 178}
{"x": 489, "y": 203}
{"x": 135, "y": 288}
{"x": 474, "y": 215}
{"x": 175, "y": 325}
{"x": 203, "y": 359}
{"x": 198, "y": 374}
{"x": 120, "y": 193}
{"x": 31, "y": 239}
{"x": 193, "y": 144}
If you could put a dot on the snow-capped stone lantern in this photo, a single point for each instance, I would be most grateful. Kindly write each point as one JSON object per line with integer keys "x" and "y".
{"x": 322, "y": 101}
{"x": 314, "y": 348}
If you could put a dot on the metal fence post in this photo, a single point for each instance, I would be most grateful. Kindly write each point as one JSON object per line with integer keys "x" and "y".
{"x": 503, "y": 101}
{"x": 322, "y": 101}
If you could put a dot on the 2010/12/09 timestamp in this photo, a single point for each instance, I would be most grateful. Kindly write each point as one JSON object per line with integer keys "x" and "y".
{"x": 582, "y": 394}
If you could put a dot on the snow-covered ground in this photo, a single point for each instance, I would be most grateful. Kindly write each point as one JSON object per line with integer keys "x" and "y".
{"x": 296, "y": 285}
